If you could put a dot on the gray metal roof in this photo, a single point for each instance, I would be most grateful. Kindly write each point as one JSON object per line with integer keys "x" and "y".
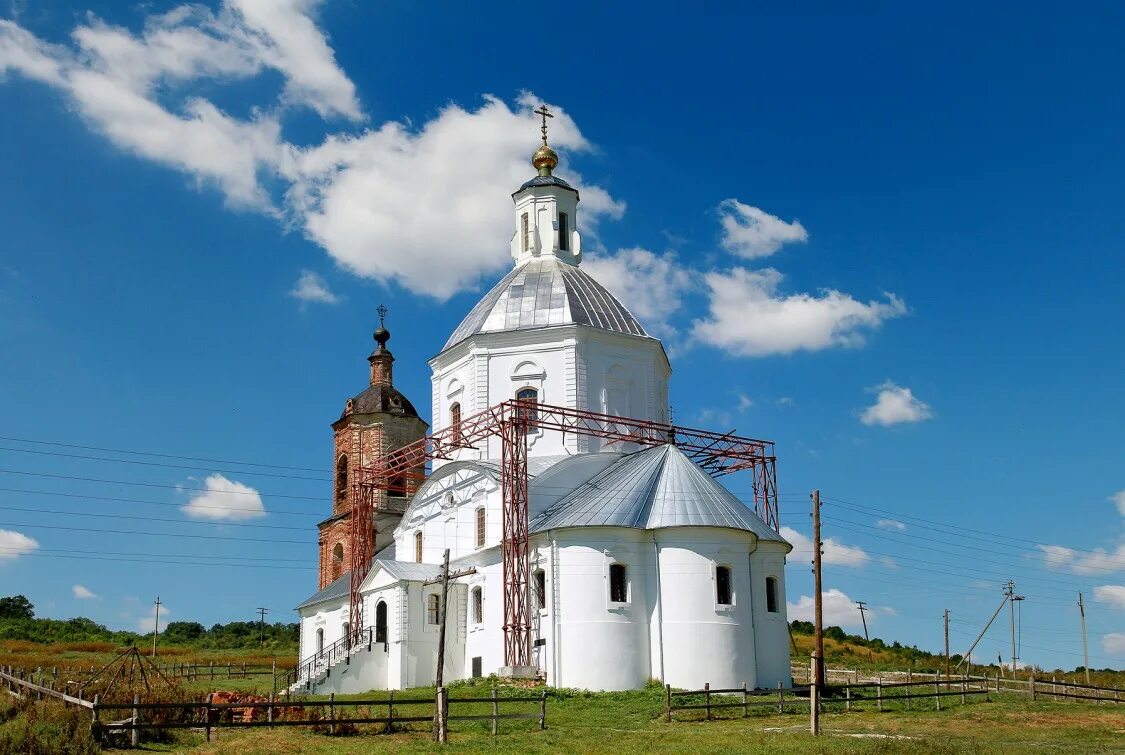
{"x": 338, "y": 589}
{"x": 545, "y": 181}
{"x": 650, "y": 489}
{"x": 409, "y": 571}
{"x": 545, "y": 292}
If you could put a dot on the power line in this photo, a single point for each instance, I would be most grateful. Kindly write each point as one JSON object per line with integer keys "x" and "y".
{"x": 161, "y": 455}
{"x": 157, "y": 518}
{"x": 153, "y": 534}
{"x": 224, "y": 564}
{"x": 84, "y": 496}
{"x": 157, "y": 485}
{"x": 164, "y": 465}
{"x": 73, "y": 551}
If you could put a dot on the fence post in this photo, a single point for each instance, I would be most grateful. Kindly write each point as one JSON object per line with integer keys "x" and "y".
{"x": 390, "y": 709}
{"x": 667, "y": 703}
{"x": 963, "y": 685}
{"x": 937, "y": 695}
{"x": 879, "y": 694}
{"x": 707, "y": 698}
{"x": 909, "y": 689}
{"x": 95, "y": 724}
{"x": 207, "y": 718}
{"x": 332, "y": 713}
{"x": 848, "y": 696}
{"x": 1031, "y": 684}
{"x": 135, "y": 732}
{"x": 543, "y": 711}
{"x": 780, "y": 700}
{"x": 495, "y": 713}
{"x": 212, "y": 665}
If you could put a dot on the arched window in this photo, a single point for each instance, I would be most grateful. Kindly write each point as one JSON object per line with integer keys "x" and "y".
{"x": 722, "y": 586}
{"x": 539, "y": 589}
{"x": 564, "y": 232}
{"x": 320, "y": 640}
{"x": 381, "y": 621}
{"x": 525, "y": 233}
{"x": 771, "y": 594}
{"x": 478, "y": 605}
{"x": 342, "y": 477}
{"x": 481, "y": 531}
{"x": 455, "y": 421}
{"x": 337, "y": 561}
{"x": 418, "y": 546}
{"x": 618, "y": 584}
{"x": 528, "y": 396}
{"x": 433, "y": 608}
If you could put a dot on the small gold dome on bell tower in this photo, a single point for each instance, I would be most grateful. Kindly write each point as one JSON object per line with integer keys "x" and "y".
{"x": 545, "y": 160}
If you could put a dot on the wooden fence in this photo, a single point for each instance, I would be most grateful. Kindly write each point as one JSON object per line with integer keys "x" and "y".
{"x": 734, "y": 697}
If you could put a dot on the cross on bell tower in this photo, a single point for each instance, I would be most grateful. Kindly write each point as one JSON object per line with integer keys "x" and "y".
{"x": 543, "y": 111}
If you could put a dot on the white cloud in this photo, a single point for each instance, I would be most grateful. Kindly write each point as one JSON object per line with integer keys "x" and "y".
{"x": 749, "y": 317}
{"x": 751, "y": 232}
{"x": 429, "y": 208}
{"x": 1112, "y": 594}
{"x": 889, "y": 562}
{"x": 835, "y": 552}
{"x": 310, "y": 287}
{"x": 15, "y": 544}
{"x": 837, "y": 608}
{"x": 146, "y": 623}
{"x": 423, "y": 207}
{"x": 1096, "y": 561}
{"x": 891, "y": 524}
{"x": 650, "y": 285}
{"x": 1114, "y": 642}
{"x": 224, "y": 499}
{"x": 744, "y": 401}
{"x": 83, "y": 593}
{"x": 1119, "y": 499}
{"x": 895, "y": 405}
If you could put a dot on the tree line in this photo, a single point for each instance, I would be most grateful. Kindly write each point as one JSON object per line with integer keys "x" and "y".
{"x": 18, "y": 622}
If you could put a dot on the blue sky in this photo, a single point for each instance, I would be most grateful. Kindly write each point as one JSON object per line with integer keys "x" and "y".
{"x": 888, "y": 240}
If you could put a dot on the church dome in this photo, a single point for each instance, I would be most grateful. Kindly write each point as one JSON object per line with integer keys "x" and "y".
{"x": 380, "y": 399}
{"x": 542, "y": 293}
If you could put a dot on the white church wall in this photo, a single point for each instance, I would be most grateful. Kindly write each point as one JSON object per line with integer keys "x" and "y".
{"x": 705, "y": 642}
{"x": 602, "y": 645}
{"x": 770, "y": 628}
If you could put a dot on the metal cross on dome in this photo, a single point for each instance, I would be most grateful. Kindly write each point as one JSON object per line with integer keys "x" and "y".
{"x": 543, "y": 111}
{"x": 382, "y": 311}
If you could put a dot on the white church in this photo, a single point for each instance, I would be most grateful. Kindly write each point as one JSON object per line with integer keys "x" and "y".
{"x": 643, "y": 566}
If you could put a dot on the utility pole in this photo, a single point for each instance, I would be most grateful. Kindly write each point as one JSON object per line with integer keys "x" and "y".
{"x": 819, "y": 617}
{"x": 947, "y": 647}
{"x": 156, "y": 626}
{"x": 863, "y": 616}
{"x": 1010, "y": 591}
{"x": 262, "y": 626}
{"x": 444, "y": 578}
{"x": 1085, "y": 649}
{"x": 968, "y": 653}
{"x": 440, "y": 723}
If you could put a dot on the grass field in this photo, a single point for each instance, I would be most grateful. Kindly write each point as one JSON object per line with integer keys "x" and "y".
{"x": 631, "y": 723}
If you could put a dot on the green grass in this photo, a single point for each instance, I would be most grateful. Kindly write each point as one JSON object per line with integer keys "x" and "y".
{"x": 632, "y": 722}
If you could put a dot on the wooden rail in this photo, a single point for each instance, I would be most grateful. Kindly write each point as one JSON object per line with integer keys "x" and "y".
{"x": 14, "y": 682}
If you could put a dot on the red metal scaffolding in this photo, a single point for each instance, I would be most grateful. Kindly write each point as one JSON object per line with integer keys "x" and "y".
{"x": 402, "y": 469}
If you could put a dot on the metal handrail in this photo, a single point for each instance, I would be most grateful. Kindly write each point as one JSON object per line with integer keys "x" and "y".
{"x": 325, "y": 658}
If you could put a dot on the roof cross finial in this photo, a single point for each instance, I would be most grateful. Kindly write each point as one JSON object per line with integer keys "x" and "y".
{"x": 382, "y": 311}
{"x": 543, "y": 111}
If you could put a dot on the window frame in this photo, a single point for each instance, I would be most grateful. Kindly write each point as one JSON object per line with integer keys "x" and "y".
{"x": 480, "y": 524}
{"x": 342, "y": 477}
{"x": 418, "y": 546}
{"x": 539, "y": 589}
{"x": 382, "y": 631}
{"x": 476, "y": 606}
{"x": 525, "y": 232}
{"x": 531, "y": 414}
{"x": 771, "y": 595}
{"x": 724, "y": 572}
{"x": 564, "y": 232}
{"x": 433, "y": 609}
{"x": 455, "y": 421}
{"x": 623, "y": 570}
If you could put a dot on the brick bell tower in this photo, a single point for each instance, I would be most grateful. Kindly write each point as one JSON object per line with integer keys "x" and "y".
{"x": 378, "y": 420}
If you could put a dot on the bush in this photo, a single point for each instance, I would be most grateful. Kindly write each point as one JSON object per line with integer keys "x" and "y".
{"x": 45, "y": 729}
